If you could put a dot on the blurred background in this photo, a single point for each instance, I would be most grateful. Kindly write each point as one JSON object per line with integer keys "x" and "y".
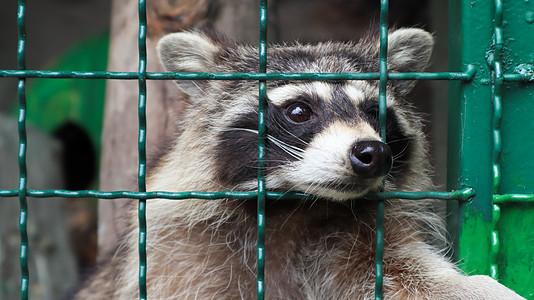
{"x": 64, "y": 122}
{"x": 66, "y": 117}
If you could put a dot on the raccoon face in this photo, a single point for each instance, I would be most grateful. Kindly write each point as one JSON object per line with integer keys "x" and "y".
{"x": 322, "y": 136}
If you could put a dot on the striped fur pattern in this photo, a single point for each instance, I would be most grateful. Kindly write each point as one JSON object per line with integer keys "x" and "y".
{"x": 320, "y": 249}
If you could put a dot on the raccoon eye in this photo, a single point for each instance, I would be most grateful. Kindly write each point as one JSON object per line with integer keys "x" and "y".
{"x": 298, "y": 112}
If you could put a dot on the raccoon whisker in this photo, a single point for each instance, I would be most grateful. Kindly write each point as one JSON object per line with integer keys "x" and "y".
{"x": 314, "y": 202}
{"x": 352, "y": 210}
{"x": 315, "y": 187}
{"x": 399, "y": 163}
{"x": 397, "y": 169}
{"x": 398, "y": 158}
{"x": 294, "y": 151}
{"x": 349, "y": 256}
{"x": 275, "y": 140}
{"x": 198, "y": 87}
{"x": 399, "y": 166}
{"x": 291, "y": 150}
{"x": 400, "y": 153}
{"x": 240, "y": 129}
{"x": 309, "y": 190}
{"x": 277, "y": 167}
{"x": 291, "y": 214}
{"x": 391, "y": 178}
{"x": 291, "y": 134}
{"x": 401, "y": 140}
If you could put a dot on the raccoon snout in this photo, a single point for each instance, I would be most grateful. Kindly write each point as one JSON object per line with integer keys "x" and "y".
{"x": 370, "y": 159}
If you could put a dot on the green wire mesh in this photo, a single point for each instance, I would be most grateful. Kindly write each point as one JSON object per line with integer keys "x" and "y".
{"x": 462, "y": 194}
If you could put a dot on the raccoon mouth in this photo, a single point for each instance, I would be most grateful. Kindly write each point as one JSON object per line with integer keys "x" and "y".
{"x": 335, "y": 189}
{"x": 346, "y": 190}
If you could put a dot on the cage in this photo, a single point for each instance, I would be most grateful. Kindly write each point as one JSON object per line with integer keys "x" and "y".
{"x": 490, "y": 178}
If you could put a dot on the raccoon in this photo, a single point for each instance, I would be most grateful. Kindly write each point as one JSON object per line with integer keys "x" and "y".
{"x": 322, "y": 138}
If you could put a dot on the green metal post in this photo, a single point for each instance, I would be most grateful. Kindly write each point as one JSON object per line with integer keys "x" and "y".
{"x": 490, "y": 140}
{"x": 470, "y": 134}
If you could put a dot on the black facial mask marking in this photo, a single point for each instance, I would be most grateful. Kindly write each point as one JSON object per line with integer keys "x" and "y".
{"x": 237, "y": 154}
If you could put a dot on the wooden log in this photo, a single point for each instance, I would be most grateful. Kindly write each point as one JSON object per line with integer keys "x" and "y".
{"x": 119, "y": 160}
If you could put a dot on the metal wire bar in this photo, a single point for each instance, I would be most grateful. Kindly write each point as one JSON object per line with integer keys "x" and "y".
{"x": 461, "y": 195}
{"x": 262, "y": 99}
{"x": 495, "y": 243}
{"x": 382, "y": 108}
{"x": 462, "y": 76}
{"x": 141, "y": 145}
{"x": 497, "y": 82}
{"x": 23, "y": 205}
{"x": 513, "y": 198}
{"x": 469, "y": 120}
{"x": 518, "y": 78}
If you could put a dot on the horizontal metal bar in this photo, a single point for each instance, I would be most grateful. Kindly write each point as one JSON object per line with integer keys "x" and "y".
{"x": 460, "y": 195}
{"x": 149, "y": 195}
{"x": 513, "y": 198}
{"x": 518, "y": 77}
{"x": 468, "y": 75}
{"x": 236, "y": 76}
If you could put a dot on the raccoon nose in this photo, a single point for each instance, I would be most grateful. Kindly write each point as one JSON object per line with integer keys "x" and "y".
{"x": 370, "y": 159}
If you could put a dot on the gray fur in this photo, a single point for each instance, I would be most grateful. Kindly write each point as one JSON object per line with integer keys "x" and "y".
{"x": 322, "y": 249}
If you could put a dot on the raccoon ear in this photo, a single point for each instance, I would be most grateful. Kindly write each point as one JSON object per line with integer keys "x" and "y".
{"x": 189, "y": 52}
{"x": 409, "y": 50}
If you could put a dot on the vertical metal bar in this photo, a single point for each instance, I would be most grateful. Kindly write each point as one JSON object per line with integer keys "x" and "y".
{"x": 495, "y": 243}
{"x": 261, "y": 153}
{"x": 497, "y": 82}
{"x": 470, "y": 135}
{"x": 453, "y": 124}
{"x": 142, "y": 149}
{"x": 382, "y": 109}
{"x": 23, "y": 206}
{"x": 495, "y": 65}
